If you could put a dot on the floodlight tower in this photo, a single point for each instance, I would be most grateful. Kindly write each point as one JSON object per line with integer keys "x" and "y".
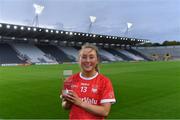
{"x": 38, "y": 11}
{"x": 92, "y": 20}
{"x": 129, "y": 25}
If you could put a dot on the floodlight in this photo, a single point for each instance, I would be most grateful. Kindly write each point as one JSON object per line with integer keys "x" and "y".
{"x": 38, "y": 8}
{"x": 38, "y": 11}
{"x": 57, "y": 31}
{"x": 0, "y": 25}
{"x": 132, "y": 39}
{"x": 47, "y": 30}
{"x": 34, "y": 29}
{"x": 129, "y": 25}
{"x": 22, "y": 28}
{"x": 15, "y": 27}
{"x": 8, "y": 26}
{"x": 70, "y": 33}
{"x": 29, "y": 28}
{"x": 92, "y": 19}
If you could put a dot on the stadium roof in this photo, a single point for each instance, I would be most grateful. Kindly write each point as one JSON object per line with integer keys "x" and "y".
{"x": 14, "y": 32}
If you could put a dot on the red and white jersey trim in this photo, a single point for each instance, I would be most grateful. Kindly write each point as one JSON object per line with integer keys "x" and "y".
{"x": 90, "y": 78}
{"x": 108, "y": 101}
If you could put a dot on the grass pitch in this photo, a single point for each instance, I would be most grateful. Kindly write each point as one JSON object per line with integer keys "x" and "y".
{"x": 146, "y": 90}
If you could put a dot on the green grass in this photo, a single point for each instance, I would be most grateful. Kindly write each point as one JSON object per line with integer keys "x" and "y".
{"x": 148, "y": 90}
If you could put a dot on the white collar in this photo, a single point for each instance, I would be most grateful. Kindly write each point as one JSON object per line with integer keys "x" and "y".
{"x": 88, "y": 78}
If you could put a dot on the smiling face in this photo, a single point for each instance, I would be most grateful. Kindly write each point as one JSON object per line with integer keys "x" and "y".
{"x": 88, "y": 61}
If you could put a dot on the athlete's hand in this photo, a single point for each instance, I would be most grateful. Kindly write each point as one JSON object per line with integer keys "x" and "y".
{"x": 65, "y": 103}
{"x": 73, "y": 98}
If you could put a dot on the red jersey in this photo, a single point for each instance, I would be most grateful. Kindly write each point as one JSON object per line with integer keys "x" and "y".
{"x": 95, "y": 90}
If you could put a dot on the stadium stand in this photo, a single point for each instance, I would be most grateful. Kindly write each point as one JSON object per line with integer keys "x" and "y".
{"x": 54, "y": 51}
{"x": 138, "y": 54}
{"x": 116, "y": 53}
{"x": 109, "y": 56}
{"x": 22, "y": 53}
{"x": 8, "y": 55}
{"x": 130, "y": 55}
{"x": 159, "y": 52}
{"x": 71, "y": 52}
{"x": 34, "y": 54}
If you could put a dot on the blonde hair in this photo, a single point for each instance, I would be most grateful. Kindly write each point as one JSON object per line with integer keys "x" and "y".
{"x": 93, "y": 47}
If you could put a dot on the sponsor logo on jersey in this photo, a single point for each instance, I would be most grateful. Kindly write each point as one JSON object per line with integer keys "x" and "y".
{"x": 89, "y": 100}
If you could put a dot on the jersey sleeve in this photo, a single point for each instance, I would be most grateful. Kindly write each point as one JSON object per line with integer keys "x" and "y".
{"x": 108, "y": 92}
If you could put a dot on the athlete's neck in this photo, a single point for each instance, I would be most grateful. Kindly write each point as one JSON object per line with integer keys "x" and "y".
{"x": 88, "y": 74}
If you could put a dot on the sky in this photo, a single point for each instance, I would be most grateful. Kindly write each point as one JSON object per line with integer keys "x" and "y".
{"x": 155, "y": 20}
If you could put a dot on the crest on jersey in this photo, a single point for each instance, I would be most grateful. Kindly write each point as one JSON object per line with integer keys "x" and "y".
{"x": 94, "y": 89}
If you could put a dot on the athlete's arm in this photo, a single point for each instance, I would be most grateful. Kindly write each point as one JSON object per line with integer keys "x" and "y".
{"x": 102, "y": 110}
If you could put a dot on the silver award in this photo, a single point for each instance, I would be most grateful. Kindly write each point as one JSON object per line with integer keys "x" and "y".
{"x": 66, "y": 81}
